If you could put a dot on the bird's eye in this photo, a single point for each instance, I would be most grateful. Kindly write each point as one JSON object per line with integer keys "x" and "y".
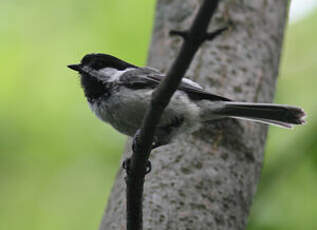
{"x": 98, "y": 64}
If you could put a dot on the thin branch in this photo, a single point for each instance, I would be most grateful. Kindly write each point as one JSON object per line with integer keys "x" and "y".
{"x": 138, "y": 163}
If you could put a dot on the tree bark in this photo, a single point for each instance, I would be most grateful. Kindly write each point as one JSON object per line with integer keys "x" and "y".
{"x": 207, "y": 180}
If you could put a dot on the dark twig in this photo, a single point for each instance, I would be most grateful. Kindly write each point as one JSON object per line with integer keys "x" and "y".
{"x": 212, "y": 35}
{"x": 138, "y": 166}
{"x": 183, "y": 34}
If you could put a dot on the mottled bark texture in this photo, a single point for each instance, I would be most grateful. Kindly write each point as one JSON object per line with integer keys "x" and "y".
{"x": 207, "y": 180}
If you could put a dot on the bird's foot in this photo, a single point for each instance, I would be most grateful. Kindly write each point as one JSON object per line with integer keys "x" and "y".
{"x": 126, "y": 165}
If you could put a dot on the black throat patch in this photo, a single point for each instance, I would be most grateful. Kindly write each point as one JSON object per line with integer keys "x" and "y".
{"x": 93, "y": 88}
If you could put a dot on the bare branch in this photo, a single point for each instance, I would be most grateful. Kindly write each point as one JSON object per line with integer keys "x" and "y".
{"x": 193, "y": 38}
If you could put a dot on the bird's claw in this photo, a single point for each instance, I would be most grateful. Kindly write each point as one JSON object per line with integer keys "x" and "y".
{"x": 148, "y": 167}
{"x": 126, "y": 165}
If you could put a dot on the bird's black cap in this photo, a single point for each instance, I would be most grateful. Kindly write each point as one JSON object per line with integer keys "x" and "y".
{"x": 99, "y": 61}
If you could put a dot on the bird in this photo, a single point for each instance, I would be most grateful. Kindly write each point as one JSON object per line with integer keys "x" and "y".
{"x": 119, "y": 93}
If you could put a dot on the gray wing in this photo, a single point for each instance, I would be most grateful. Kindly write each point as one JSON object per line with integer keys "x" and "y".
{"x": 150, "y": 78}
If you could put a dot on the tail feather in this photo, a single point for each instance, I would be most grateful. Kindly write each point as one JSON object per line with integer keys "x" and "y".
{"x": 268, "y": 122}
{"x": 280, "y": 115}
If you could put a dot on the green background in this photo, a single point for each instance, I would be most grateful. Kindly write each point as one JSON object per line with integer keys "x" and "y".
{"x": 58, "y": 162}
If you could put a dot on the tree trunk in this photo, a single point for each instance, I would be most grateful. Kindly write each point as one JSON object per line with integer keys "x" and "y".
{"x": 207, "y": 180}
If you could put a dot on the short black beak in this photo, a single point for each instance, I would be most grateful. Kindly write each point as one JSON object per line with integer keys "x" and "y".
{"x": 76, "y": 67}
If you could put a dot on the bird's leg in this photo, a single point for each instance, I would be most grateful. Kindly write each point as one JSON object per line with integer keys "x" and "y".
{"x": 127, "y": 162}
{"x": 126, "y": 165}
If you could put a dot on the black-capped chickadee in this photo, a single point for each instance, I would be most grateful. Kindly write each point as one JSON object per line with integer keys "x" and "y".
{"x": 119, "y": 93}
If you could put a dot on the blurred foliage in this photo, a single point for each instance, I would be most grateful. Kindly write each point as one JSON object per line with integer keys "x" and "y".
{"x": 58, "y": 162}
{"x": 286, "y": 197}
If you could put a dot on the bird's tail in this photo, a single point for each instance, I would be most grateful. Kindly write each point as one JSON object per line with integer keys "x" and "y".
{"x": 281, "y": 115}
